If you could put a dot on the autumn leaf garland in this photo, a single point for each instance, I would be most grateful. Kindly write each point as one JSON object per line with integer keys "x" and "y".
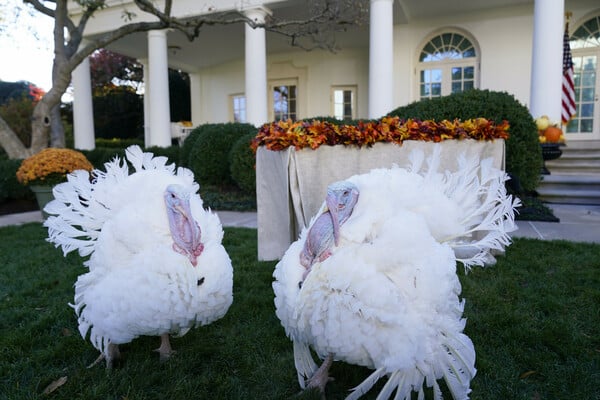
{"x": 280, "y": 135}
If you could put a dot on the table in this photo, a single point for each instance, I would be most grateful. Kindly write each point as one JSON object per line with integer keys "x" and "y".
{"x": 291, "y": 184}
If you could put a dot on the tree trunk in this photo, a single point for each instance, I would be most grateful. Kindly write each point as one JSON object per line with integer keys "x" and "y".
{"x": 40, "y": 125}
{"x": 11, "y": 143}
{"x": 57, "y": 130}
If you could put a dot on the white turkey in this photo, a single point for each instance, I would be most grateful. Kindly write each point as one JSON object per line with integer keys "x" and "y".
{"x": 156, "y": 263}
{"x": 372, "y": 280}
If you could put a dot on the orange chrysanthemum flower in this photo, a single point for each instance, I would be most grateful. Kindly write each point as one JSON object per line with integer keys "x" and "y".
{"x": 51, "y": 166}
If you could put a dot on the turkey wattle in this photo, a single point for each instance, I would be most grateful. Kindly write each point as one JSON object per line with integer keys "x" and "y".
{"x": 372, "y": 281}
{"x": 156, "y": 263}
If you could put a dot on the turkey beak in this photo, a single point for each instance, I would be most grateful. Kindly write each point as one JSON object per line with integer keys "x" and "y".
{"x": 331, "y": 202}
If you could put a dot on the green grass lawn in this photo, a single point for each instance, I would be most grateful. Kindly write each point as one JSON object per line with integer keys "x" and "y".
{"x": 534, "y": 319}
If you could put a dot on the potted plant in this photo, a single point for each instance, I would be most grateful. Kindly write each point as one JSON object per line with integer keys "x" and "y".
{"x": 551, "y": 137}
{"x": 47, "y": 168}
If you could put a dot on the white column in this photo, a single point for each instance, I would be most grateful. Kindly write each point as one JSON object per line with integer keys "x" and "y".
{"x": 256, "y": 68}
{"x": 381, "y": 58}
{"x": 546, "y": 65}
{"x": 146, "y": 78}
{"x": 83, "y": 112}
{"x": 158, "y": 78}
{"x": 195, "y": 98}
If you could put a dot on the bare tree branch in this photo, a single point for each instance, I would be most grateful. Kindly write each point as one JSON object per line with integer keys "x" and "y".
{"x": 316, "y": 30}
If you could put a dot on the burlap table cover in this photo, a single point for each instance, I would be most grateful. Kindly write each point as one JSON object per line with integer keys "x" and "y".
{"x": 291, "y": 184}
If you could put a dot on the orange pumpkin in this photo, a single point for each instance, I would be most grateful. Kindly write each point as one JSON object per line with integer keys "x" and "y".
{"x": 552, "y": 134}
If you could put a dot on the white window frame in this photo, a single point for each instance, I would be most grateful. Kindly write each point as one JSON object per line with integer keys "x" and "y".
{"x": 353, "y": 102}
{"x": 586, "y": 48}
{"x": 446, "y": 65}
{"x": 232, "y": 107}
{"x": 282, "y": 82}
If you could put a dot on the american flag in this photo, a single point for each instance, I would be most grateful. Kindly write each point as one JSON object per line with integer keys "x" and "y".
{"x": 569, "y": 108}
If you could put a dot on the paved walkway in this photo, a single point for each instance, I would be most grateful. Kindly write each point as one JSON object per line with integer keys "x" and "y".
{"x": 578, "y": 223}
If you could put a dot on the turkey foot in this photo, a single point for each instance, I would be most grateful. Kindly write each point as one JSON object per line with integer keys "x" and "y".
{"x": 321, "y": 376}
{"x": 112, "y": 354}
{"x": 165, "y": 351}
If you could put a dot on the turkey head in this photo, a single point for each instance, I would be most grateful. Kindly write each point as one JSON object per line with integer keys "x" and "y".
{"x": 185, "y": 231}
{"x": 325, "y": 231}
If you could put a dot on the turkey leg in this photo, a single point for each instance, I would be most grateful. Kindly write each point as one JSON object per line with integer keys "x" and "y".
{"x": 165, "y": 350}
{"x": 112, "y": 354}
{"x": 321, "y": 376}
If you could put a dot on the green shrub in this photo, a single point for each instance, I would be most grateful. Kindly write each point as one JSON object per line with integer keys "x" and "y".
{"x": 242, "y": 163}
{"x": 117, "y": 143}
{"x": 101, "y": 155}
{"x": 523, "y": 151}
{"x": 209, "y": 157}
{"x": 188, "y": 143}
{"x": 332, "y": 120}
{"x": 17, "y": 113}
{"x": 172, "y": 153}
{"x": 10, "y": 188}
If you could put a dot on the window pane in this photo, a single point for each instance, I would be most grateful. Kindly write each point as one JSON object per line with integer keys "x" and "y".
{"x": 587, "y": 94}
{"x": 347, "y": 111}
{"x": 469, "y": 72}
{"x": 456, "y": 40}
{"x": 436, "y": 89}
{"x": 348, "y": 96}
{"x": 456, "y": 87}
{"x": 456, "y": 74}
{"x": 239, "y": 108}
{"x": 447, "y": 38}
{"x": 468, "y": 85}
{"x": 572, "y": 126}
{"x": 587, "y": 110}
{"x": 338, "y": 96}
{"x": 469, "y": 53}
{"x": 588, "y": 78}
{"x": 586, "y": 125}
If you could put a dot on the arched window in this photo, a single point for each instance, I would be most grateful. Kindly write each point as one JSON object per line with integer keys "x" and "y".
{"x": 585, "y": 48}
{"x": 447, "y": 64}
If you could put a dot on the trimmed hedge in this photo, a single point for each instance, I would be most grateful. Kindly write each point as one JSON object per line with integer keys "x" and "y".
{"x": 242, "y": 162}
{"x": 523, "y": 151}
{"x": 209, "y": 155}
{"x": 190, "y": 141}
{"x": 10, "y": 188}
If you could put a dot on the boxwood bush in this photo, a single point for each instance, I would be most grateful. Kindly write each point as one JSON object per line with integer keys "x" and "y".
{"x": 172, "y": 153}
{"x": 10, "y": 188}
{"x": 523, "y": 151}
{"x": 190, "y": 140}
{"x": 242, "y": 162}
{"x": 209, "y": 156}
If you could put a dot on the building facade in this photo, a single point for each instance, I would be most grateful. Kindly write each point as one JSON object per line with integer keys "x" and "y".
{"x": 406, "y": 51}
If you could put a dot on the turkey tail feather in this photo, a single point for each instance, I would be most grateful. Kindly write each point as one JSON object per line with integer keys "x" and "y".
{"x": 305, "y": 364}
{"x": 84, "y": 202}
{"x": 367, "y": 384}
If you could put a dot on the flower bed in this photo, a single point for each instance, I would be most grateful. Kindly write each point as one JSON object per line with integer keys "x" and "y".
{"x": 280, "y": 135}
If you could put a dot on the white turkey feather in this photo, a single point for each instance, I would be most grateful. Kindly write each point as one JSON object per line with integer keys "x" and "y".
{"x": 387, "y": 295}
{"x": 139, "y": 282}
